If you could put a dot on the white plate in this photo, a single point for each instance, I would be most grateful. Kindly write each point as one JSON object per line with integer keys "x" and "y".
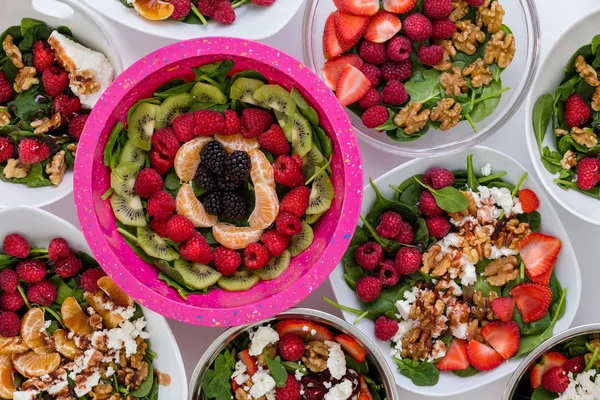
{"x": 90, "y": 31}
{"x": 567, "y": 269}
{"x": 252, "y": 22}
{"x": 548, "y": 78}
{"x": 39, "y": 228}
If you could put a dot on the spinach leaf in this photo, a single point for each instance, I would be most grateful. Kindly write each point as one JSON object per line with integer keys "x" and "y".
{"x": 423, "y": 86}
{"x": 172, "y": 283}
{"x": 542, "y": 113}
{"x": 487, "y": 101}
{"x": 482, "y": 283}
{"x": 7, "y": 261}
{"x": 325, "y": 142}
{"x": 39, "y": 31}
{"x": 534, "y": 219}
{"x": 352, "y": 271}
{"x": 566, "y": 89}
{"x": 109, "y": 147}
{"x": 421, "y": 233}
{"x": 292, "y": 367}
{"x": 64, "y": 291}
{"x": 248, "y": 73}
{"x": 542, "y": 394}
{"x": 35, "y": 177}
{"x": 215, "y": 384}
{"x": 216, "y": 71}
{"x": 411, "y": 195}
{"x": 465, "y": 373}
{"x": 27, "y": 108}
{"x": 382, "y": 204}
{"x": 575, "y": 347}
{"x": 595, "y": 44}
{"x": 421, "y": 373}
{"x": 361, "y": 368}
{"x": 178, "y": 89}
{"x": 386, "y": 302}
{"x": 146, "y": 385}
{"x": 551, "y": 160}
{"x": 472, "y": 182}
{"x": 277, "y": 370}
{"x": 448, "y": 199}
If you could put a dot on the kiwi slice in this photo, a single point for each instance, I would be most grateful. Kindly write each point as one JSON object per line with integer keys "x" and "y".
{"x": 275, "y": 267}
{"x": 133, "y": 154}
{"x": 286, "y": 123}
{"x": 275, "y": 97}
{"x": 312, "y": 219}
{"x": 321, "y": 194}
{"x": 301, "y": 135}
{"x": 197, "y": 276}
{"x": 154, "y": 245}
{"x": 207, "y": 93}
{"x": 172, "y": 107}
{"x": 240, "y": 281}
{"x": 122, "y": 179}
{"x": 313, "y": 160}
{"x": 128, "y": 212}
{"x": 243, "y": 89}
{"x": 302, "y": 241}
{"x": 141, "y": 125}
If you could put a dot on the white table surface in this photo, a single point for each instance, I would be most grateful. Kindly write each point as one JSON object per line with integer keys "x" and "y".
{"x": 555, "y": 16}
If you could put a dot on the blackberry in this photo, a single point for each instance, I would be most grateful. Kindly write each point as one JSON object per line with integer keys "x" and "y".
{"x": 212, "y": 202}
{"x": 237, "y": 166}
{"x": 212, "y": 157}
{"x": 227, "y": 185}
{"x": 205, "y": 179}
{"x": 234, "y": 206}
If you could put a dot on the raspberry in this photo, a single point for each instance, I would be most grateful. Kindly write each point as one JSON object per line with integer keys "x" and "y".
{"x": 399, "y": 48}
{"x": 577, "y": 112}
{"x": 227, "y": 261}
{"x": 369, "y": 255}
{"x": 373, "y": 53}
{"x": 438, "y": 226}
{"x": 179, "y": 228}
{"x": 7, "y": 149}
{"x": 237, "y": 166}
{"x": 161, "y": 206}
{"x": 295, "y": 201}
{"x": 438, "y": 178}
{"x": 428, "y": 205}
{"x": 417, "y": 27}
{"x": 588, "y": 173}
{"x": 232, "y": 123}
{"x": 9, "y": 324}
{"x": 31, "y": 271}
{"x": 442, "y": 29}
{"x": 212, "y": 157}
{"x": 183, "y": 125}
{"x": 43, "y": 293}
{"x": 436, "y": 9}
{"x": 77, "y": 124}
{"x": 182, "y": 9}
{"x": 287, "y": 172}
{"x": 68, "y": 266}
{"x": 400, "y": 71}
{"x": 394, "y": 93}
{"x": 405, "y": 234}
{"x": 42, "y": 57}
{"x": 55, "y": 80}
{"x": 368, "y": 289}
{"x": 274, "y": 140}
{"x": 372, "y": 73}
{"x": 208, "y": 123}
{"x": 475, "y": 3}
{"x": 67, "y": 106}
{"x": 375, "y": 116}
{"x": 254, "y": 122}
{"x": 148, "y": 182}
{"x": 234, "y": 206}
{"x": 6, "y": 90}
{"x": 165, "y": 142}
{"x": 575, "y": 364}
{"x": 288, "y": 224}
{"x": 385, "y": 328}
{"x": 291, "y": 390}
{"x": 11, "y": 301}
{"x": 388, "y": 274}
{"x": 196, "y": 249}
{"x": 263, "y": 2}
{"x": 371, "y": 99}
{"x": 256, "y": 256}
{"x": 275, "y": 242}
{"x": 57, "y": 249}
{"x": 555, "y": 380}
{"x": 389, "y": 224}
{"x": 89, "y": 279}
{"x": 160, "y": 227}
{"x": 33, "y": 151}
{"x": 8, "y": 280}
{"x": 224, "y": 13}
{"x": 207, "y": 7}
{"x": 15, "y": 245}
{"x": 431, "y": 55}
{"x": 298, "y": 160}
{"x": 408, "y": 260}
{"x": 291, "y": 347}
{"x": 160, "y": 163}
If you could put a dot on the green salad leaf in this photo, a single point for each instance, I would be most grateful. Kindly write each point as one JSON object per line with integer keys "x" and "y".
{"x": 421, "y": 373}
{"x": 216, "y": 382}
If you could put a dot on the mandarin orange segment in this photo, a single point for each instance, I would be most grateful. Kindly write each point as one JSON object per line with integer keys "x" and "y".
{"x": 65, "y": 346}
{"x": 234, "y": 237}
{"x": 154, "y": 10}
{"x": 111, "y": 320}
{"x": 262, "y": 170}
{"x": 74, "y": 318}
{"x": 118, "y": 296}
{"x": 7, "y": 381}
{"x": 12, "y": 345}
{"x": 187, "y": 158}
{"x": 33, "y": 331}
{"x": 266, "y": 208}
{"x": 31, "y": 364}
{"x": 190, "y": 207}
{"x": 237, "y": 142}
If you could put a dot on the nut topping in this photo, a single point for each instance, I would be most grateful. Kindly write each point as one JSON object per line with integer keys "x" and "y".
{"x": 15, "y": 168}
{"x": 584, "y": 137}
{"x": 490, "y": 17}
{"x": 480, "y": 73}
{"x": 453, "y": 83}
{"x": 25, "y": 79}
{"x": 569, "y": 160}
{"x": 500, "y": 48}
{"x": 411, "y": 118}
{"x": 586, "y": 71}
{"x": 56, "y": 168}
{"x": 12, "y": 51}
{"x": 448, "y": 112}
{"x": 467, "y": 37}
{"x": 315, "y": 356}
{"x": 501, "y": 271}
{"x": 46, "y": 125}
{"x": 449, "y": 52}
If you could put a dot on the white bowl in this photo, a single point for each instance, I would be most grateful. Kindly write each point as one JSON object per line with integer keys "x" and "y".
{"x": 548, "y": 78}
{"x": 567, "y": 269}
{"x": 39, "y": 228}
{"x": 252, "y": 22}
{"x": 90, "y": 31}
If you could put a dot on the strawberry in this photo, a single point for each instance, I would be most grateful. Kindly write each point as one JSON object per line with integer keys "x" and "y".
{"x": 352, "y": 85}
{"x": 555, "y": 380}
{"x": 529, "y": 200}
{"x": 352, "y": 347}
{"x": 504, "y": 337}
{"x": 382, "y": 27}
{"x": 349, "y": 29}
{"x": 456, "y": 356}
{"x": 248, "y": 361}
{"x": 358, "y": 7}
{"x": 504, "y": 308}
{"x": 331, "y": 45}
{"x": 532, "y": 300}
{"x": 483, "y": 357}
{"x": 365, "y": 393}
{"x": 304, "y": 329}
{"x": 399, "y": 6}
{"x": 543, "y": 279}
{"x": 333, "y": 68}
{"x": 539, "y": 252}
{"x": 549, "y": 361}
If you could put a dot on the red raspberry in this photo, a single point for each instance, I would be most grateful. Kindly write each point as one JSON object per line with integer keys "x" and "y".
{"x": 43, "y": 293}
{"x": 67, "y": 106}
{"x": 275, "y": 242}
{"x": 475, "y": 3}
{"x": 405, "y": 234}
{"x": 196, "y": 249}
{"x": 8, "y": 280}
{"x": 227, "y": 261}
{"x": 42, "y": 57}
{"x": 55, "y": 80}
{"x": 15, "y": 245}
{"x": 400, "y": 71}
{"x": 436, "y": 9}
{"x": 291, "y": 390}
{"x": 287, "y": 172}
{"x": 263, "y": 2}
{"x": 295, "y": 201}
{"x": 224, "y": 13}
{"x": 179, "y": 228}
{"x": 160, "y": 163}
{"x": 399, "y": 48}
{"x": 575, "y": 364}
{"x": 161, "y": 206}
{"x": 408, "y": 260}
{"x": 431, "y": 55}
{"x": 291, "y": 347}
{"x": 33, "y": 151}
{"x": 371, "y": 99}
{"x": 577, "y": 112}
{"x": 388, "y": 274}
{"x": 375, "y": 116}
{"x": 89, "y": 279}
{"x": 68, "y": 266}
{"x": 31, "y": 271}
{"x": 11, "y": 301}
{"x": 183, "y": 125}
{"x": 256, "y": 256}
{"x": 372, "y": 72}
{"x": 165, "y": 142}
{"x": 9, "y": 324}
{"x": 160, "y": 227}
{"x": 389, "y": 224}
{"x": 148, "y": 182}
{"x": 555, "y": 380}
{"x": 394, "y": 93}
{"x": 588, "y": 173}
{"x": 369, "y": 255}
{"x": 7, "y": 149}
{"x": 255, "y": 121}
{"x": 274, "y": 140}
{"x": 182, "y": 9}
{"x": 442, "y": 29}
{"x": 288, "y": 224}
{"x": 298, "y": 160}
{"x": 6, "y": 90}
{"x": 208, "y": 123}
{"x": 57, "y": 249}
{"x": 428, "y": 205}
{"x": 373, "y": 53}
{"x": 232, "y": 123}
{"x": 438, "y": 178}
{"x": 207, "y": 7}
{"x": 385, "y": 328}
{"x": 368, "y": 289}
{"x": 417, "y": 27}
{"x": 77, "y": 124}
{"x": 438, "y": 226}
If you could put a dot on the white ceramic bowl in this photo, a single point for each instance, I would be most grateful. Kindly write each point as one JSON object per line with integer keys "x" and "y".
{"x": 567, "y": 269}
{"x": 39, "y": 228}
{"x": 252, "y": 22}
{"x": 90, "y": 31}
{"x": 548, "y": 78}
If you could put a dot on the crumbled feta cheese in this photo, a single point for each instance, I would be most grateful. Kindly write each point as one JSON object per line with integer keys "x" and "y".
{"x": 83, "y": 388}
{"x": 57, "y": 387}
{"x": 124, "y": 336}
{"x": 327, "y": 385}
{"x": 502, "y": 197}
{"x": 298, "y": 375}
{"x": 403, "y": 307}
{"x": 125, "y": 313}
{"x": 486, "y": 170}
{"x": 46, "y": 326}
{"x": 457, "y": 289}
{"x": 501, "y": 252}
{"x": 468, "y": 275}
{"x": 403, "y": 328}
{"x": 271, "y": 396}
{"x": 313, "y": 332}
{"x": 263, "y": 336}
{"x": 26, "y": 395}
{"x": 305, "y": 328}
{"x": 517, "y": 208}
{"x": 463, "y": 221}
{"x": 582, "y": 387}
{"x": 336, "y": 362}
{"x": 341, "y": 391}
{"x": 460, "y": 331}
{"x": 110, "y": 371}
{"x": 452, "y": 240}
{"x": 263, "y": 383}
{"x": 239, "y": 375}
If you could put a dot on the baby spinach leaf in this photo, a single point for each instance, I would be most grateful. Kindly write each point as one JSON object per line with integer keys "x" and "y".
{"x": 324, "y": 141}
{"x": 183, "y": 292}
{"x": 215, "y": 384}
{"x": 7, "y": 261}
{"x": 15, "y": 32}
{"x": 421, "y": 373}
{"x": 382, "y": 204}
{"x": 472, "y": 182}
{"x": 487, "y": 101}
{"x": 421, "y": 233}
{"x": 361, "y": 368}
{"x": 277, "y": 370}
{"x": 27, "y": 108}
{"x": 146, "y": 385}
{"x": 215, "y": 71}
{"x": 65, "y": 30}
{"x": 540, "y": 393}
{"x": 411, "y": 195}
{"x": 423, "y": 86}
{"x": 39, "y": 31}
{"x": 551, "y": 160}
{"x": 249, "y": 73}
{"x": 352, "y": 271}
{"x": 595, "y": 44}
{"x": 465, "y": 373}
{"x": 575, "y": 347}
{"x": 292, "y": 367}
{"x": 448, "y": 199}
{"x": 386, "y": 302}
{"x": 64, "y": 291}
{"x": 109, "y": 147}
{"x": 534, "y": 219}
{"x": 177, "y": 89}
{"x": 566, "y": 89}
{"x": 542, "y": 113}
{"x": 127, "y": 4}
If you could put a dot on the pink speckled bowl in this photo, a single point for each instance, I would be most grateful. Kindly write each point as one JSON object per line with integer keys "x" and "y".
{"x": 139, "y": 279}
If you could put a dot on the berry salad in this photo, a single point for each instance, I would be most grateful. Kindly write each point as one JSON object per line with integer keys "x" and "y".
{"x": 294, "y": 360}
{"x": 416, "y": 65}
{"x": 574, "y": 110}
{"x": 48, "y": 85}
{"x": 66, "y": 330}
{"x": 455, "y": 273}
{"x": 218, "y": 181}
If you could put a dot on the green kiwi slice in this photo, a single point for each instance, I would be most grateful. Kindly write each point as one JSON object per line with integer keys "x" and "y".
{"x": 312, "y": 219}
{"x": 122, "y": 179}
{"x": 243, "y": 89}
{"x": 154, "y": 245}
{"x": 141, "y": 124}
{"x": 312, "y": 160}
{"x": 197, "y": 276}
{"x": 275, "y": 97}
{"x": 240, "y": 281}
{"x": 302, "y": 241}
{"x": 275, "y": 267}
{"x": 301, "y": 135}
{"x": 321, "y": 194}
{"x": 207, "y": 93}
{"x": 133, "y": 154}
{"x": 128, "y": 212}
{"x": 286, "y": 123}
{"x": 172, "y": 107}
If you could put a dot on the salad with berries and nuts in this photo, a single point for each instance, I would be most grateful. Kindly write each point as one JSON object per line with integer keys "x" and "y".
{"x": 455, "y": 273}
{"x": 48, "y": 85}
{"x": 218, "y": 181}
{"x": 66, "y": 330}
{"x": 417, "y": 64}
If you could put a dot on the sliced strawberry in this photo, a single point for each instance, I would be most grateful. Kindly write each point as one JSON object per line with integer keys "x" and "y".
{"x": 349, "y": 29}
{"x": 550, "y": 360}
{"x": 504, "y": 337}
{"x": 382, "y": 27}
{"x": 539, "y": 252}
{"x": 331, "y": 45}
{"x": 352, "y": 85}
{"x": 333, "y": 68}
{"x": 304, "y": 329}
{"x": 456, "y": 356}
{"x": 365, "y": 393}
{"x": 483, "y": 357}
{"x": 533, "y": 300}
{"x": 358, "y": 7}
{"x": 543, "y": 279}
{"x": 529, "y": 200}
{"x": 504, "y": 308}
{"x": 352, "y": 347}
{"x": 248, "y": 361}
{"x": 399, "y": 6}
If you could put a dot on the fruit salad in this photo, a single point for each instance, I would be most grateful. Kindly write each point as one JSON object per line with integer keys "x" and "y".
{"x": 48, "y": 85}
{"x": 415, "y": 65}
{"x": 455, "y": 273}
{"x": 574, "y": 110}
{"x": 293, "y": 360}
{"x": 66, "y": 330}
{"x": 217, "y": 181}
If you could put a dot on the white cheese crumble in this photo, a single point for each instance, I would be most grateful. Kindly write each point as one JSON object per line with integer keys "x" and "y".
{"x": 336, "y": 362}
{"x": 27, "y": 395}
{"x": 239, "y": 375}
{"x": 486, "y": 170}
{"x": 83, "y": 388}
{"x": 403, "y": 328}
{"x": 582, "y": 387}
{"x": 263, "y": 383}
{"x": 263, "y": 336}
{"x": 460, "y": 331}
{"x": 298, "y": 375}
{"x": 341, "y": 391}
{"x": 501, "y": 252}
{"x": 468, "y": 275}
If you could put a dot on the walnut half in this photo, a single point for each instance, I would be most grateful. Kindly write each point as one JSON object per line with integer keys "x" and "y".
{"x": 56, "y": 168}
{"x": 480, "y": 73}
{"x": 584, "y": 137}
{"x": 15, "y": 168}
{"x": 586, "y": 71}
{"x": 46, "y": 125}
{"x": 4, "y": 116}
{"x": 467, "y": 37}
{"x": 315, "y": 356}
{"x": 448, "y": 112}
{"x": 501, "y": 271}
{"x": 449, "y": 52}
{"x": 12, "y": 51}
{"x": 25, "y": 79}
{"x": 453, "y": 83}
{"x": 412, "y": 118}
{"x": 490, "y": 14}
{"x": 569, "y": 160}
{"x": 85, "y": 82}
{"x": 500, "y": 48}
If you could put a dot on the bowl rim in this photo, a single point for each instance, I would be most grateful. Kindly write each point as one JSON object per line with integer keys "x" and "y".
{"x": 350, "y": 162}
{"x": 529, "y": 133}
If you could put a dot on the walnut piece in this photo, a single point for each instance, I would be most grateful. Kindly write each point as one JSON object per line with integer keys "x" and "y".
{"x": 478, "y": 242}
{"x": 470, "y": 211}
{"x": 560, "y": 132}
{"x": 437, "y": 263}
{"x": 453, "y": 83}
{"x": 15, "y": 168}
{"x": 448, "y": 112}
{"x": 12, "y": 51}
{"x": 72, "y": 147}
{"x": 584, "y": 137}
{"x": 411, "y": 118}
{"x": 449, "y": 52}
{"x": 511, "y": 234}
{"x": 482, "y": 310}
{"x": 25, "y": 79}
{"x": 85, "y": 81}
{"x": 500, "y": 48}
{"x": 45, "y": 125}
{"x": 467, "y": 37}
{"x": 569, "y": 160}
{"x": 271, "y": 351}
{"x": 586, "y": 71}
{"x": 480, "y": 73}
{"x": 56, "y": 168}
{"x": 596, "y": 99}
{"x": 490, "y": 17}
{"x": 4, "y": 117}
{"x": 102, "y": 391}
{"x": 501, "y": 271}
{"x": 315, "y": 356}
{"x": 460, "y": 8}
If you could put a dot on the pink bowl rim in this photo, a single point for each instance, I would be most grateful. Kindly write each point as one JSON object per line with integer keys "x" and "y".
{"x": 335, "y": 249}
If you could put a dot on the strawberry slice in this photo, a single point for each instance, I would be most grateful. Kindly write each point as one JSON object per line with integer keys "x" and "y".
{"x": 539, "y": 252}
{"x": 504, "y": 308}
{"x": 352, "y": 347}
{"x": 303, "y": 328}
{"x": 248, "y": 361}
{"x": 382, "y": 27}
{"x": 529, "y": 200}
{"x": 483, "y": 357}
{"x": 365, "y": 393}
{"x": 399, "y": 6}
{"x": 333, "y": 68}
{"x": 352, "y": 85}
{"x": 349, "y": 29}
{"x": 543, "y": 279}
{"x": 549, "y": 361}
{"x": 358, "y": 7}
{"x": 331, "y": 45}
{"x": 533, "y": 300}
{"x": 456, "y": 357}
{"x": 504, "y": 337}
